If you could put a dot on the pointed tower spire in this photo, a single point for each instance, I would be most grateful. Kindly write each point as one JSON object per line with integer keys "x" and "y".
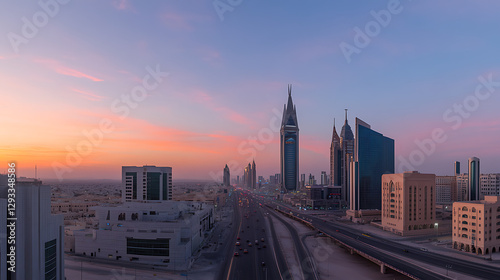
{"x": 335, "y": 136}
{"x": 289, "y": 106}
{"x": 345, "y": 115}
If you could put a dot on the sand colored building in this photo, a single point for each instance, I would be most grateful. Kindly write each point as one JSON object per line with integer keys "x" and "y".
{"x": 476, "y": 225}
{"x": 408, "y": 203}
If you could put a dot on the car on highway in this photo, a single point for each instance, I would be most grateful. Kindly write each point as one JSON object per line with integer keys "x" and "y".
{"x": 249, "y": 244}
{"x": 236, "y": 254}
{"x": 238, "y": 243}
{"x": 245, "y": 251}
{"x": 256, "y": 242}
{"x": 263, "y": 264}
{"x": 262, "y": 239}
{"x": 423, "y": 249}
{"x": 264, "y": 246}
{"x": 238, "y": 238}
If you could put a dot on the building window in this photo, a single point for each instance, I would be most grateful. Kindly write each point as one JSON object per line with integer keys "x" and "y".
{"x": 51, "y": 260}
{"x": 148, "y": 247}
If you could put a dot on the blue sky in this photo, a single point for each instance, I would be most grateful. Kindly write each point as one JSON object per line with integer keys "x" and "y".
{"x": 227, "y": 76}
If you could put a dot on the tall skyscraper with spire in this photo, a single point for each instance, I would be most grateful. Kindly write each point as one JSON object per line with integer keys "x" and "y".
{"x": 254, "y": 175}
{"x": 227, "y": 177}
{"x": 250, "y": 176}
{"x": 289, "y": 146}
{"x": 347, "y": 147}
{"x": 335, "y": 159}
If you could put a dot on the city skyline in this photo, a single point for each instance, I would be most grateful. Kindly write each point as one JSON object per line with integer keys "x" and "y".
{"x": 224, "y": 89}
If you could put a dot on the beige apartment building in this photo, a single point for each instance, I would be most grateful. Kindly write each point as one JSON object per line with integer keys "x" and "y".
{"x": 476, "y": 225}
{"x": 408, "y": 203}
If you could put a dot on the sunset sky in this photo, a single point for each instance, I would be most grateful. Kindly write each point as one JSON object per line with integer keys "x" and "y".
{"x": 73, "y": 78}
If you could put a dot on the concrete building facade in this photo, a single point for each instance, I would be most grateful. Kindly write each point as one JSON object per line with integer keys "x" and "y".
{"x": 490, "y": 184}
{"x": 165, "y": 233}
{"x": 408, "y": 203}
{"x": 462, "y": 185}
{"x": 146, "y": 183}
{"x": 446, "y": 189}
{"x": 476, "y": 225}
{"x": 39, "y": 236}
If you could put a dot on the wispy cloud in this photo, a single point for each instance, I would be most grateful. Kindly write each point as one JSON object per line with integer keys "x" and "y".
{"x": 183, "y": 21}
{"x": 88, "y": 95}
{"x": 134, "y": 132}
{"x": 64, "y": 70}
{"x": 204, "y": 98}
{"x": 176, "y": 21}
{"x": 122, "y": 4}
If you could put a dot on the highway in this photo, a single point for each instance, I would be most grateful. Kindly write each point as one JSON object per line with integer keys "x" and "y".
{"x": 249, "y": 225}
{"x": 372, "y": 246}
{"x": 308, "y": 270}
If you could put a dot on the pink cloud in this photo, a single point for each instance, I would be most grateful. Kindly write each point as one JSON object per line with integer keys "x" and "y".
{"x": 209, "y": 55}
{"x": 184, "y": 21}
{"x": 176, "y": 21}
{"x": 63, "y": 70}
{"x": 88, "y": 95}
{"x": 133, "y": 132}
{"x": 122, "y": 4}
{"x": 204, "y": 98}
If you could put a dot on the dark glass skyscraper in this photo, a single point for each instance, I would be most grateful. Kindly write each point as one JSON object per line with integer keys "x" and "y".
{"x": 289, "y": 146}
{"x": 335, "y": 159}
{"x": 474, "y": 179}
{"x": 457, "y": 168}
{"x": 226, "y": 179}
{"x": 373, "y": 157}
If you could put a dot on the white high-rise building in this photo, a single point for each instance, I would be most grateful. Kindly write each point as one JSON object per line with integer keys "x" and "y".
{"x": 146, "y": 183}
{"x": 39, "y": 236}
{"x": 165, "y": 233}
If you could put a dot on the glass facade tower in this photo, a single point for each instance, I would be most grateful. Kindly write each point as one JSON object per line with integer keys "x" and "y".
{"x": 474, "y": 179}
{"x": 374, "y": 156}
{"x": 289, "y": 146}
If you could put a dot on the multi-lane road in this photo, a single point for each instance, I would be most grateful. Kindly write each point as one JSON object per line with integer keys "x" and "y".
{"x": 255, "y": 259}
{"x": 391, "y": 252}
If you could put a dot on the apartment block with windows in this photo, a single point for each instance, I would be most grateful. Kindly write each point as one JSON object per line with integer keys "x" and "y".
{"x": 476, "y": 225}
{"x": 409, "y": 203}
